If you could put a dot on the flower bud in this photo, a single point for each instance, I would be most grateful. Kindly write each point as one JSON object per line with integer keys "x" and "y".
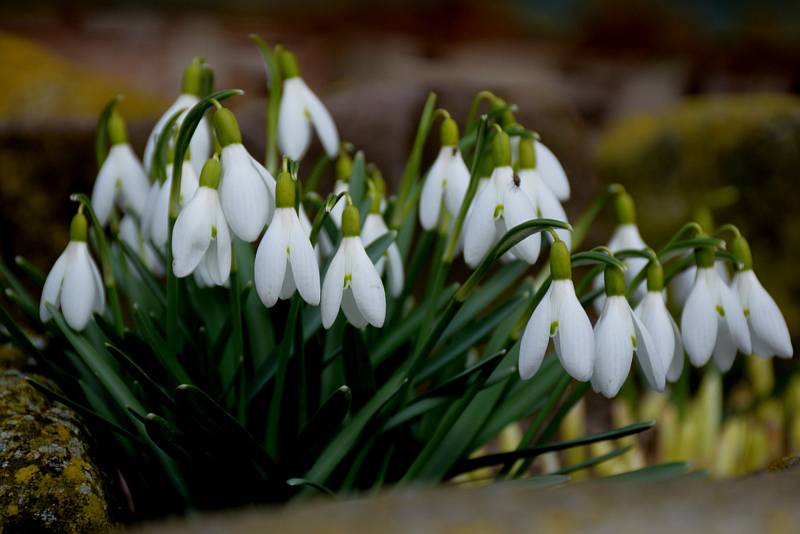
{"x": 117, "y": 131}
{"x": 655, "y": 276}
{"x": 527, "y": 154}
{"x": 704, "y": 257}
{"x": 501, "y": 149}
{"x": 77, "y": 228}
{"x": 614, "y": 281}
{"x": 560, "y": 263}
{"x": 192, "y": 83}
{"x": 624, "y": 209}
{"x": 741, "y": 249}
{"x": 351, "y": 222}
{"x": 375, "y": 205}
{"x": 226, "y": 127}
{"x": 209, "y": 176}
{"x": 344, "y": 167}
{"x": 288, "y": 64}
{"x": 507, "y": 116}
{"x": 284, "y": 191}
{"x": 449, "y": 132}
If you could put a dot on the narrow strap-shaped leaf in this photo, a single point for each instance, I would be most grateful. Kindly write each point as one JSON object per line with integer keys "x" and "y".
{"x": 101, "y": 140}
{"x": 457, "y": 383}
{"x": 142, "y": 375}
{"x": 592, "y": 257}
{"x": 170, "y": 439}
{"x": 158, "y": 165}
{"x": 378, "y": 248}
{"x": 319, "y": 429}
{"x": 357, "y": 367}
{"x": 153, "y": 338}
{"x": 415, "y": 410}
{"x": 11, "y": 282}
{"x": 654, "y": 473}
{"x": 301, "y": 482}
{"x": 357, "y": 185}
{"x": 18, "y": 336}
{"x": 596, "y": 460}
{"x": 145, "y": 275}
{"x": 275, "y": 89}
{"x": 30, "y": 270}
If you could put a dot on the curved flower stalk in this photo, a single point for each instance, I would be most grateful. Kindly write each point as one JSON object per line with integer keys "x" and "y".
{"x": 191, "y": 91}
{"x": 285, "y": 260}
{"x": 712, "y": 321}
{"x": 618, "y": 334}
{"x": 159, "y": 217}
{"x": 201, "y": 243}
{"x": 768, "y": 331}
{"x": 133, "y": 236}
{"x": 559, "y": 315}
{"x": 447, "y": 180}
{"x": 352, "y": 282}
{"x": 374, "y": 228}
{"x": 300, "y": 110}
{"x": 247, "y": 189}
{"x": 121, "y": 179}
{"x": 501, "y": 205}
{"x": 545, "y": 202}
{"x": 652, "y": 311}
{"x": 74, "y": 282}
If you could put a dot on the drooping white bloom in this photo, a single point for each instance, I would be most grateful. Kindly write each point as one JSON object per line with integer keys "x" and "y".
{"x": 285, "y": 260}
{"x": 247, "y": 189}
{"x": 681, "y": 284}
{"x": 626, "y": 236}
{"x": 300, "y": 110}
{"x": 652, "y": 310}
{"x": 374, "y": 228}
{"x": 351, "y": 281}
{"x": 713, "y": 321}
{"x": 544, "y": 201}
{"x": 132, "y": 235}
{"x": 121, "y": 181}
{"x": 447, "y": 179}
{"x": 159, "y": 221}
{"x": 768, "y": 331}
{"x": 339, "y": 187}
{"x": 199, "y": 145}
{"x": 74, "y": 283}
{"x": 550, "y": 169}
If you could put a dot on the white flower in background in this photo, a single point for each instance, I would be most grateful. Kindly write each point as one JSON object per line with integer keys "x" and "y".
{"x": 159, "y": 217}
{"x": 681, "y": 284}
{"x": 336, "y": 212}
{"x": 652, "y": 310}
{"x": 500, "y": 206}
{"x": 550, "y": 169}
{"x": 247, "y": 190}
{"x": 768, "y": 331}
{"x": 74, "y": 283}
{"x": 713, "y": 321}
{"x": 351, "y": 281}
{"x": 542, "y": 197}
{"x": 146, "y": 222}
{"x": 448, "y": 179}
{"x": 121, "y": 179}
{"x": 285, "y": 260}
{"x": 374, "y": 228}
{"x": 201, "y": 243}
{"x": 200, "y": 144}
{"x": 617, "y": 335}
{"x": 300, "y": 109}
{"x": 559, "y": 315}
{"x": 132, "y": 235}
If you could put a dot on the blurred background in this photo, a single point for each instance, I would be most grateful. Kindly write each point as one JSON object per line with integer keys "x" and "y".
{"x": 693, "y": 106}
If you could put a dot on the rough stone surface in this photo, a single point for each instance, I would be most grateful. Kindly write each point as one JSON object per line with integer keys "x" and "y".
{"x": 48, "y": 482}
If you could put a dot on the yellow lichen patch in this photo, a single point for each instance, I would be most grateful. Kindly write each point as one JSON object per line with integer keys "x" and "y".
{"x": 74, "y": 471}
{"x": 63, "y": 432}
{"x": 24, "y": 474}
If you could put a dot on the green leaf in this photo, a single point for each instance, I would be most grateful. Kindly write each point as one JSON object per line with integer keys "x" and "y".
{"x": 144, "y": 273}
{"x": 274, "y": 434}
{"x": 455, "y": 384}
{"x": 690, "y": 244}
{"x": 301, "y": 482}
{"x": 654, "y": 473}
{"x": 18, "y": 336}
{"x": 168, "y": 359}
{"x": 357, "y": 185}
{"x": 101, "y": 135}
{"x": 592, "y": 257}
{"x": 169, "y": 439}
{"x": 319, "y": 429}
{"x": 357, "y": 368}
{"x": 158, "y": 165}
{"x": 143, "y": 377}
{"x": 273, "y": 102}
{"x": 378, "y": 248}
{"x": 30, "y": 270}
{"x": 26, "y": 302}
{"x": 415, "y": 410}
{"x": 596, "y": 460}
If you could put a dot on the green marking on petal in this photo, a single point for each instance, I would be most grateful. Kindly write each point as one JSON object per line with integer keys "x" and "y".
{"x": 288, "y": 250}
{"x": 720, "y": 310}
{"x": 347, "y": 279}
{"x": 633, "y": 342}
{"x": 553, "y": 328}
{"x": 498, "y": 211}
{"x": 746, "y": 312}
{"x": 213, "y": 231}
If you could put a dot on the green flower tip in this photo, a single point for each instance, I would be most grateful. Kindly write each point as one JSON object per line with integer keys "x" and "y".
{"x": 741, "y": 249}
{"x": 449, "y": 132}
{"x": 192, "y": 83}
{"x": 209, "y": 176}
{"x": 614, "y": 281}
{"x": 507, "y": 116}
{"x": 655, "y": 276}
{"x": 375, "y": 198}
{"x": 501, "y": 149}
{"x": 77, "y": 228}
{"x": 376, "y": 179}
{"x": 226, "y": 127}
{"x": 560, "y": 262}
{"x": 527, "y": 154}
{"x": 351, "y": 221}
{"x": 344, "y": 167}
{"x": 288, "y": 64}
{"x": 704, "y": 257}
{"x": 284, "y": 191}
{"x": 117, "y": 131}
{"x": 624, "y": 208}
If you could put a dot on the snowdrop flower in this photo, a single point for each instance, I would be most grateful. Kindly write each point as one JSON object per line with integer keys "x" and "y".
{"x": 200, "y": 144}
{"x": 74, "y": 283}
{"x": 501, "y": 205}
{"x": 159, "y": 217}
{"x": 351, "y": 281}
{"x": 344, "y": 169}
{"x": 617, "y": 335}
{"x": 374, "y": 228}
{"x": 247, "y": 190}
{"x": 448, "y": 179}
{"x": 300, "y": 109}
{"x": 559, "y": 315}
{"x": 652, "y": 310}
{"x": 542, "y": 197}
{"x": 681, "y": 284}
{"x": 132, "y": 235}
{"x": 713, "y": 321}
{"x": 285, "y": 259}
{"x": 201, "y": 242}
{"x": 121, "y": 179}
{"x": 768, "y": 331}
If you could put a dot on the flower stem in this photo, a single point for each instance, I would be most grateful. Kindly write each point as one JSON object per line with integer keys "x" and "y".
{"x": 273, "y": 103}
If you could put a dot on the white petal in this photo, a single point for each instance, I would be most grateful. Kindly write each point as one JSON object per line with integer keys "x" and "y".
{"x": 725, "y": 349}
{"x": 52, "y": 285}
{"x": 766, "y": 320}
{"x": 294, "y": 130}
{"x": 367, "y": 287}
{"x": 189, "y": 183}
{"x": 551, "y": 208}
{"x": 536, "y": 337}
{"x": 650, "y": 360}
{"x": 304, "y": 263}
{"x": 336, "y": 212}
{"x": 244, "y": 195}
{"x": 149, "y": 209}
{"x": 269, "y": 181}
{"x": 395, "y": 270}
{"x": 653, "y": 313}
{"x": 676, "y": 365}
{"x": 105, "y": 189}
{"x": 479, "y": 228}
{"x": 191, "y": 235}
{"x": 78, "y": 289}
{"x": 613, "y": 335}
{"x": 321, "y": 119}
{"x": 457, "y": 181}
{"x": 159, "y": 223}
{"x": 220, "y": 251}
{"x": 133, "y": 180}
{"x": 374, "y": 227}
{"x": 430, "y": 200}
{"x": 552, "y": 172}
{"x": 517, "y": 210}
{"x": 332, "y": 287}
{"x": 574, "y": 341}
{"x": 681, "y": 285}
{"x": 271, "y": 260}
{"x": 289, "y": 286}
{"x": 183, "y": 101}
{"x": 351, "y": 311}
{"x": 734, "y": 316}
{"x": 200, "y": 146}
{"x": 99, "y": 304}
{"x": 699, "y": 321}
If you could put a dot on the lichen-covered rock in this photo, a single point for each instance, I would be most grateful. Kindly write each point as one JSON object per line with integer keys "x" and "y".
{"x": 48, "y": 482}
